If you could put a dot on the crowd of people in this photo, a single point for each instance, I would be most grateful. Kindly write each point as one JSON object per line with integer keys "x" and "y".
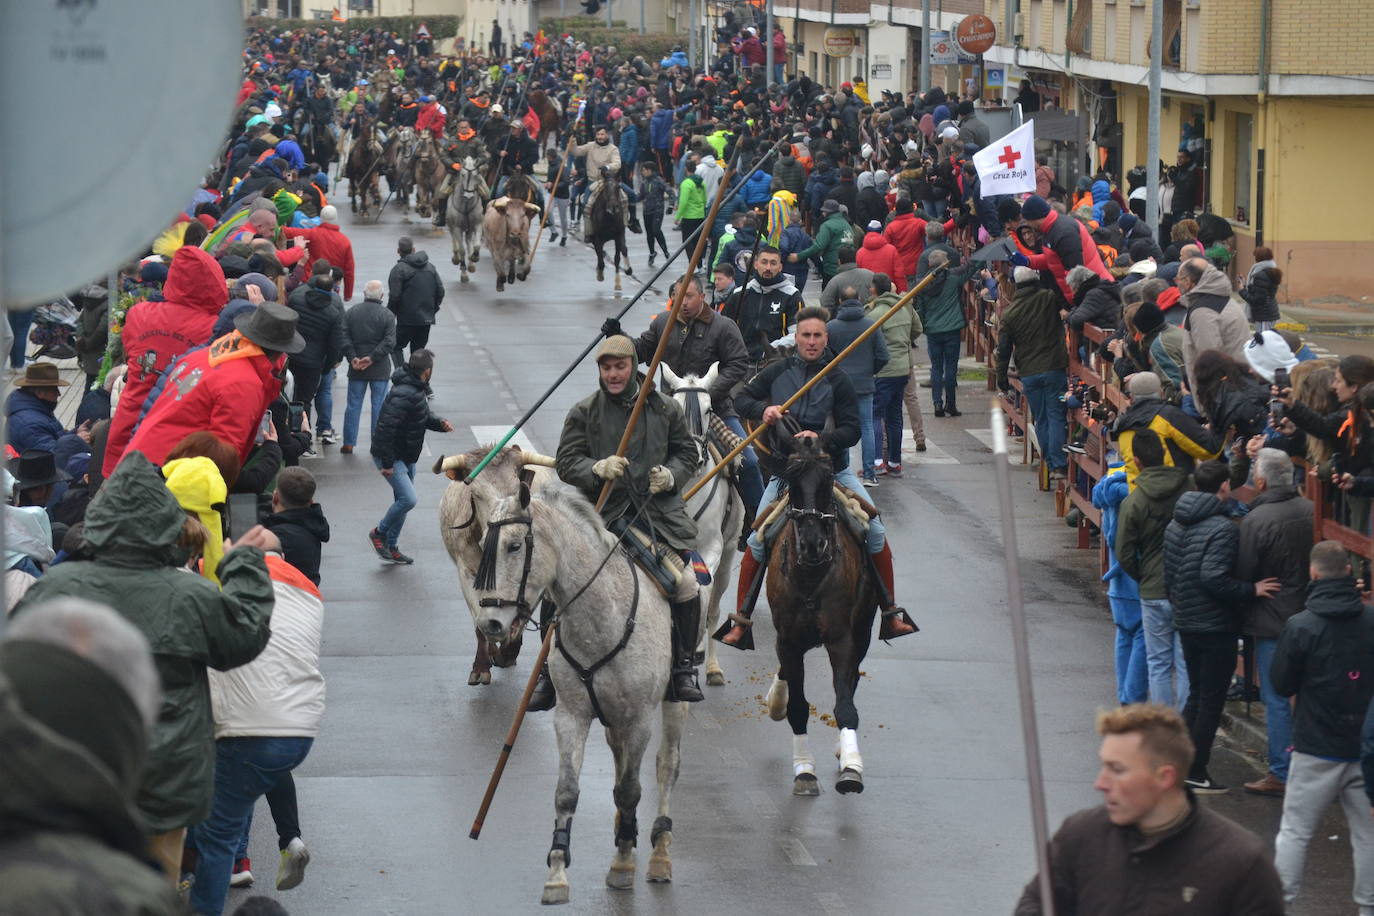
{"x": 209, "y": 377}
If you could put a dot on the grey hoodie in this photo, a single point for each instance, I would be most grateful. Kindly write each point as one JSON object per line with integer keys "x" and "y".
{"x": 1215, "y": 321}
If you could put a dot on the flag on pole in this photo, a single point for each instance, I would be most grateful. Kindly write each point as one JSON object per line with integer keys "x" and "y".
{"x": 1007, "y": 165}
{"x": 337, "y": 16}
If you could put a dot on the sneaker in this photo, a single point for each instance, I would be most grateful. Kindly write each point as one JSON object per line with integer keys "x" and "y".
{"x": 894, "y": 470}
{"x": 870, "y": 481}
{"x": 553, "y": 236}
{"x": 1270, "y": 785}
{"x": 310, "y": 453}
{"x": 879, "y": 468}
{"x": 329, "y": 437}
{"x": 396, "y": 556}
{"x": 374, "y": 537}
{"x": 563, "y": 242}
{"x": 243, "y": 875}
{"x": 345, "y": 450}
{"x": 1205, "y": 786}
{"x": 291, "y": 871}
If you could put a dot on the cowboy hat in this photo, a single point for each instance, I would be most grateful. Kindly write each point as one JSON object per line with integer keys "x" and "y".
{"x": 273, "y": 327}
{"x": 36, "y": 468}
{"x": 41, "y": 375}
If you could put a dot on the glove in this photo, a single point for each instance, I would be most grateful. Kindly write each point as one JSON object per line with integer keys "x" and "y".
{"x": 611, "y": 468}
{"x": 611, "y": 327}
{"x": 660, "y": 479}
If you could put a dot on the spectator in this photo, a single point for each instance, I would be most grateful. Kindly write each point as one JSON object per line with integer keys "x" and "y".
{"x": 369, "y": 339}
{"x": 848, "y": 273}
{"x": 766, "y": 306}
{"x": 396, "y": 447}
{"x": 1156, "y": 346}
{"x": 1123, "y": 594}
{"x": 900, "y": 332}
{"x": 1150, "y": 838}
{"x": 298, "y": 521}
{"x": 327, "y": 242}
{"x": 861, "y": 365}
{"x": 1200, "y": 550}
{"x": 1214, "y": 320}
{"x": 722, "y": 284}
{"x": 1261, "y": 289}
{"x": 1031, "y": 331}
{"x": 690, "y": 212}
{"x": 972, "y": 129}
{"x": 832, "y": 240}
{"x": 1186, "y": 441}
{"x": 880, "y": 256}
{"x": 1065, "y": 244}
{"x": 79, "y": 697}
{"x": 133, "y": 531}
{"x": 935, "y": 241}
{"x": 1275, "y": 539}
{"x": 907, "y": 233}
{"x": 1095, "y": 300}
{"x": 653, "y": 192}
{"x": 941, "y": 311}
{"x": 740, "y": 249}
{"x": 416, "y": 294}
{"x": 320, "y": 324}
{"x": 1144, "y": 517}
{"x": 32, "y": 410}
{"x": 1325, "y": 657}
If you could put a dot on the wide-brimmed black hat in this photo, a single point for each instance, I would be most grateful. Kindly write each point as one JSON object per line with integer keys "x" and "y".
{"x": 36, "y": 468}
{"x": 271, "y": 326}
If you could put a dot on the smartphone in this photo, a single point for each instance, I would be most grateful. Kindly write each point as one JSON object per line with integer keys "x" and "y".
{"x": 1281, "y": 378}
{"x": 243, "y": 514}
{"x": 297, "y": 414}
{"x": 264, "y": 426}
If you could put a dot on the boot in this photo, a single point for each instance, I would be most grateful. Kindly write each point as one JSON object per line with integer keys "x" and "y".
{"x": 738, "y": 630}
{"x": 895, "y": 620}
{"x": 743, "y": 545}
{"x": 544, "y": 697}
{"x": 441, "y": 214}
{"x": 634, "y": 220}
{"x": 682, "y": 686}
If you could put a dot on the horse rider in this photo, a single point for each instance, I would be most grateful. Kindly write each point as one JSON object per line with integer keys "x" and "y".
{"x": 466, "y": 144}
{"x": 603, "y": 164}
{"x": 701, "y": 338}
{"x": 405, "y": 113}
{"x": 431, "y": 117}
{"x": 829, "y": 411}
{"x": 518, "y": 151}
{"x": 646, "y": 483}
{"x": 319, "y": 110}
{"x": 765, "y": 307}
{"x": 477, "y": 108}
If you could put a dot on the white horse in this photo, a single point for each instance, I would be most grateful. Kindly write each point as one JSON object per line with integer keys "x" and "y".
{"x": 466, "y": 205}
{"x": 716, "y": 508}
{"x": 610, "y": 619}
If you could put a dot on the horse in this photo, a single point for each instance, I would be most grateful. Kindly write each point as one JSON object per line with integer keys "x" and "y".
{"x": 520, "y": 186}
{"x": 464, "y": 511}
{"x": 399, "y": 165}
{"x": 717, "y": 509}
{"x": 606, "y": 223}
{"x": 819, "y": 593}
{"x": 550, "y": 115}
{"x": 554, "y": 543}
{"x": 316, "y": 140}
{"x": 426, "y": 172}
{"x": 363, "y": 170}
{"x": 506, "y": 229}
{"x": 465, "y": 216}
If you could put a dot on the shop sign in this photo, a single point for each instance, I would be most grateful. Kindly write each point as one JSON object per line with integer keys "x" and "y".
{"x": 839, "y": 42}
{"x": 975, "y": 34}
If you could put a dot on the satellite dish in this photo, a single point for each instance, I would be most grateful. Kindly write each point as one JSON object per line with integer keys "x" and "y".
{"x": 115, "y": 109}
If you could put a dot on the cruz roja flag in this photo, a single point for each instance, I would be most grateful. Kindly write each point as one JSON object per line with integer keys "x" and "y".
{"x": 1007, "y": 166}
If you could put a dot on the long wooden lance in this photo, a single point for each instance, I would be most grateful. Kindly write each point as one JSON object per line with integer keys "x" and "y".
{"x": 691, "y": 239}
{"x": 668, "y": 327}
{"x": 824, "y": 371}
{"x": 562, "y": 163}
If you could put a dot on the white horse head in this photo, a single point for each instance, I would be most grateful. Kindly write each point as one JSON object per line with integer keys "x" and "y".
{"x": 688, "y": 391}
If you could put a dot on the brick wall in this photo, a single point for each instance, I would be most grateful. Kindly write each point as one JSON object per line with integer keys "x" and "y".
{"x": 1310, "y": 36}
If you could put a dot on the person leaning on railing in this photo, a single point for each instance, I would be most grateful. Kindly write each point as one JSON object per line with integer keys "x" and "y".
{"x": 1347, "y": 428}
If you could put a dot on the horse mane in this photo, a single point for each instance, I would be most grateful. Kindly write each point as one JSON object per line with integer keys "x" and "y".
{"x": 570, "y": 502}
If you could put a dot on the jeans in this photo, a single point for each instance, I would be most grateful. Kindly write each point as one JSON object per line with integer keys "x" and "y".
{"x": 1211, "y": 660}
{"x": 777, "y": 73}
{"x": 305, "y": 385}
{"x": 887, "y": 417}
{"x": 944, "y": 367}
{"x": 1163, "y": 653}
{"x": 20, "y": 323}
{"x": 867, "y": 447}
{"x": 1278, "y": 712}
{"x": 1132, "y": 680}
{"x": 1043, "y": 392}
{"x": 1313, "y": 784}
{"x": 416, "y": 335}
{"x": 402, "y": 482}
{"x": 324, "y": 402}
{"x": 877, "y": 534}
{"x": 560, "y": 210}
{"x": 358, "y": 389}
{"x": 750, "y": 479}
{"x": 245, "y": 769}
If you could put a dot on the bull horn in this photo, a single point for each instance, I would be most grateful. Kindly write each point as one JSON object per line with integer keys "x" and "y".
{"x": 535, "y": 458}
{"x": 451, "y": 463}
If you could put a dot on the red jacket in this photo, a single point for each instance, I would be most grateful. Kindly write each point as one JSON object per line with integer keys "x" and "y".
{"x": 907, "y": 233}
{"x": 752, "y": 51}
{"x": 327, "y": 241}
{"x": 224, "y": 388}
{"x": 156, "y": 333}
{"x": 432, "y": 119}
{"x": 1066, "y": 244}
{"x": 779, "y": 48}
{"x": 879, "y": 256}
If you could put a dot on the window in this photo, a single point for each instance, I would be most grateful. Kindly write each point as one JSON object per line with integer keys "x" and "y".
{"x": 1109, "y": 45}
{"x": 1140, "y": 30}
{"x": 1242, "y": 146}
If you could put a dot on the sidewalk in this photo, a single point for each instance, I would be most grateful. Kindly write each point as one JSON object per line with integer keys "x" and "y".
{"x": 1345, "y": 317}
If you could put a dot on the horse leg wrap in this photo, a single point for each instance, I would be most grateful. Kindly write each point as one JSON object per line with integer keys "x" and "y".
{"x": 627, "y": 829}
{"x": 562, "y": 837}
{"x": 802, "y": 761}
{"x": 662, "y": 824}
{"x": 849, "y": 751}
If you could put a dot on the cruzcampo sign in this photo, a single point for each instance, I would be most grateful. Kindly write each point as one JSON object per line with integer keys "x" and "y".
{"x": 975, "y": 34}
{"x": 839, "y": 42}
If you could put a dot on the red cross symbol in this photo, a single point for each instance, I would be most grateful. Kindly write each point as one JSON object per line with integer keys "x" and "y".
{"x": 1009, "y": 157}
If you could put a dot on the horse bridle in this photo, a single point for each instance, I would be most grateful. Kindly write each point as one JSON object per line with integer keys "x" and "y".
{"x": 524, "y": 610}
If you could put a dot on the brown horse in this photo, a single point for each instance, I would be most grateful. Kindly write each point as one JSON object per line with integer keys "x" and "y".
{"x": 364, "y": 169}
{"x": 550, "y": 117}
{"x": 819, "y": 594}
{"x": 427, "y": 172}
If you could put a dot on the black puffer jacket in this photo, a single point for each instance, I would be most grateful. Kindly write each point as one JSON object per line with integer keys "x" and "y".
{"x": 1096, "y": 302}
{"x": 415, "y": 289}
{"x": 1325, "y": 655}
{"x": 1242, "y": 403}
{"x": 1200, "y": 547}
{"x": 320, "y": 323}
{"x": 1261, "y": 294}
{"x": 404, "y": 419}
{"x": 1275, "y": 540}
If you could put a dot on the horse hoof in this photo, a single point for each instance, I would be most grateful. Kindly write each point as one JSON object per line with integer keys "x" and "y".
{"x": 500, "y": 284}
{"x": 851, "y": 782}
{"x": 806, "y": 785}
{"x": 521, "y": 277}
{"x": 456, "y": 260}
{"x": 601, "y": 276}
{"x": 715, "y": 679}
{"x": 464, "y": 278}
{"x": 475, "y": 679}
{"x": 621, "y": 877}
{"x": 660, "y": 869}
{"x": 777, "y": 700}
{"x": 628, "y": 272}
{"x": 555, "y": 893}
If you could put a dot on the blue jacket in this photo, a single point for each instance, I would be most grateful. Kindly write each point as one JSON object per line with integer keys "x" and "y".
{"x": 1102, "y": 192}
{"x": 661, "y": 127}
{"x": 861, "y": 365}
{"x": 31, "y": 422}
{"x": 629, "y": 148}
{"x": 727, "y": 211}
{"x": 1108, "y": 495}
{"x": 756, "y": 190}
{"x": 792, "y": 240}
{"x": 290, "y": 150}
{"x": 676, "y": 59}
{"x": 817, "y": 186}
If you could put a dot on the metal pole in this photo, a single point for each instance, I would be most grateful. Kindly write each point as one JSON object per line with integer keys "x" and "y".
{"x": 692, "y": 35}
{"x": 1020, "y": 644}
{"x": 642, "y": 29}
{"x": 768, "y": 39}
{"x": 925, "y": 47}
{"x": 609, "y": 24}
{"x": 1152, "y": 143}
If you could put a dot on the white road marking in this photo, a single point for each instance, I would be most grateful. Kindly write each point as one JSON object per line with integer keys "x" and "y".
{"x": 796, "y": 852}
{"x": 762, "y": 802}
{"x": 493, "y": 435}
{"x": 832, "y": 903}
{"x": 933, "y": 454}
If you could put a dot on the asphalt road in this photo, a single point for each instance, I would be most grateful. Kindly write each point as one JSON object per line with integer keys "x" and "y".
{"x": 389, "y": 792}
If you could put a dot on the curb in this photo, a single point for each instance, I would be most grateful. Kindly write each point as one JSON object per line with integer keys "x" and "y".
{"x": 1247, "y": 733}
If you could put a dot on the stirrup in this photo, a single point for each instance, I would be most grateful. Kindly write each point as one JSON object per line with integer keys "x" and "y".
{"x": 544, "y": 696}
{"x": 889, "y": 618}
{"x": 744, "y": 640}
